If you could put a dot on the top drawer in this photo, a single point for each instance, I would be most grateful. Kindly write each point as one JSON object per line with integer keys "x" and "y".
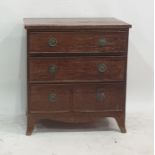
{"x": 78, "y": 42}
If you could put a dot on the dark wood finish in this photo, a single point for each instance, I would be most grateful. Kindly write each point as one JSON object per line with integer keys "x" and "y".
{"x": 40, "y": 98}
{"x": 87, "y": 68}
{"x": 75, "y": 117}
{"x": 84, "y": 97}
{"x": 74, "y": 23}
{"x": 75, "y": 42}
{"x": 65, "y": 82}
{"x": 98, "y": 97}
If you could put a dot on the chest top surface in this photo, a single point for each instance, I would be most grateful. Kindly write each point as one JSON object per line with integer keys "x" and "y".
{"x": 74, "y": 23}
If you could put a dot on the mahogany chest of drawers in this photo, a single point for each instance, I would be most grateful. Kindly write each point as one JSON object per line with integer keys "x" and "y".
{"x": 76, "y": 69}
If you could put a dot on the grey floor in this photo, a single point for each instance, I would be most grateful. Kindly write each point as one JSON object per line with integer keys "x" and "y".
{"x": 101, "y": 138}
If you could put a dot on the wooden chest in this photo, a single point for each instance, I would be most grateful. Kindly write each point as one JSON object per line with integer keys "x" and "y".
{"x": 76, "y": 69}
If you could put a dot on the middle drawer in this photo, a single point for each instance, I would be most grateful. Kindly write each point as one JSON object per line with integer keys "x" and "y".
{"x": 73, "y": 69}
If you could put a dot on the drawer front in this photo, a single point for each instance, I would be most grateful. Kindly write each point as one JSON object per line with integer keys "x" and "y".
{"x": 50, "y": 98}
{"x": 78, "y": 42}
{"x": 99, "y": 97}
{"x": 77, "y": 69}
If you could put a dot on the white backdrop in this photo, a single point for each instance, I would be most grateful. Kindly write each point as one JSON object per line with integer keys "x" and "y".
{"x": 139, "y": 13}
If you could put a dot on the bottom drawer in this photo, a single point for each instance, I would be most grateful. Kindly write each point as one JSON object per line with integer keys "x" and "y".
{"x": 99, "y": 97}
{"x": 77, "y": 97}
{"x": 50, "y": 98}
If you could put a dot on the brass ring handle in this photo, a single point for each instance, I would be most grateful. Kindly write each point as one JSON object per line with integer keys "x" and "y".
{"x": 102, "y": 42}
{"x": 102, "y": 67}
{"x": 52, "y": 69}
{"x": 52, "y": 42}
{"x": 52, "y": 97}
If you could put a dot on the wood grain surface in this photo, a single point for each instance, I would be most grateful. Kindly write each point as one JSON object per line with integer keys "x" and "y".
{"x": 76, "y": 80}
{"x": 75, "y": 42}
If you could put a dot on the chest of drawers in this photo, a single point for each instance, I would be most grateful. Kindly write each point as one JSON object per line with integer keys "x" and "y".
{"x": 76, "y": 69}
